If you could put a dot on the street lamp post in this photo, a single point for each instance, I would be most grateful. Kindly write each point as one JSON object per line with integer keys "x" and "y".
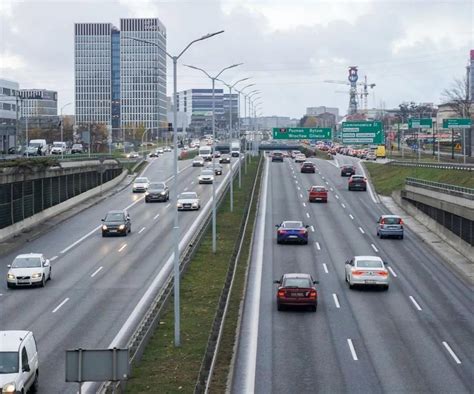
{"x": 238, "y": 124}
{"x": 230, "y": 135}
{"x": 214, "y": 230}
{"x": 177, "y": 336}
{"x": 62, "y": 130}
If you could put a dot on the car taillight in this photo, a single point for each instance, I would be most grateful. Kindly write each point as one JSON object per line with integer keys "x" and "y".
{"x": 281, "y": 293}
{"x": 401, "y": 222}
{"x": 312, "y": 294}
{"x": 382, "y": 273}
{"x": 357, "y": 273}
{"x": 281, "y": 231}
{"x": 303, "y": 231}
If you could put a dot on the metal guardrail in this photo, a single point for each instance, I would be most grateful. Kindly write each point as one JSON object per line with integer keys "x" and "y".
{"x": 443, "y": 166}
{"x": 447, "y": 188}
{"x": 149, "y": 322}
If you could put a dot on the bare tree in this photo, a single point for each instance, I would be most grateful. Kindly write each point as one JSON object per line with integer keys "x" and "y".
{"x": 457, "y": 96}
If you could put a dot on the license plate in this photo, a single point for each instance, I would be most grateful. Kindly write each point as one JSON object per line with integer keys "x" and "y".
{"x": 113, "y": 231}
{"x": 23, "y": 281}
{"x": 370, "y": 282}
{"x": 292, "y": 236}
{"x": 297, "y": 294}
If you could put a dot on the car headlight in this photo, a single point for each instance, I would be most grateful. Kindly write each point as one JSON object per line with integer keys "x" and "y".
{"x": 9, "y": 388}
{"x": 10, "y": 276}
{"x": 163, "y": 193}
{"x": 36, "y": 275}
{"x": 147, "y": 193}
{"x": 195, "y": 204}
{"x": 104, "y": 227}
{"x": 122, "y": 226}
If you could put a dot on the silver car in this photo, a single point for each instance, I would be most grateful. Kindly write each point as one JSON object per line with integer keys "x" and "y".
{"x": 31, "y": 269}
{"x": 366, "y": 270}
{"x": 390, "y": 226}
{"x": 188, "y": 201}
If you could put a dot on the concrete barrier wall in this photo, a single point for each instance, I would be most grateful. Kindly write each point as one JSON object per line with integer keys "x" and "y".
{"x": 48, "y": 213}
{"x": 457, "y": 243}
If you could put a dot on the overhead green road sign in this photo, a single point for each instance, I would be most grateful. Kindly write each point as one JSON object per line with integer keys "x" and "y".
{"x": 302, "y": 133}
{"x": 457, "y": 123}
{"x": 423, "y": 123}
{"x": 362, "y": 132}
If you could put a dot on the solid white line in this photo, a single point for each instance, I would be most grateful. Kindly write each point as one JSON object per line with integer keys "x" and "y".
{"x": 142, "y": 230}
{"x": 351, "y": 347}
{"x": 451, "y": 352}
{"x": 415, "y": 303}
{"x": 352, "y": 217}
{"x": 312, "y": 229}
{"x": 374, "y": 248}
{"x": 318, "y": 246}
{"x": 371, "y": 192}
{"x": 168, "y": 205}
{"x": 336, "y": 301}
{"x": 97, "y": 271}
{"x": 307, "y": 215}
{"x": 337, "y": 196}
{"x": 392, "y": 272}
{"x": 361, "y": 230}
{"x": 123, "y": 247}
{"x": 79, "y": 240}
{"x": 156, "y": 216}
{"x": 60, "y": 305}
{"x": 254, "y": 312}
{"x": 53, "y": 258}
{"x": 325, "y": 268}
{"x": 342, "y": 205}
{"x": 301, "y": 195}
{"x": 304, "y": 204}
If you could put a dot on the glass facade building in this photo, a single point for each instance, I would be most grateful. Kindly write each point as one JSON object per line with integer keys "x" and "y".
{"x": 38, "y": 102}
{"x": 121, "y": 82}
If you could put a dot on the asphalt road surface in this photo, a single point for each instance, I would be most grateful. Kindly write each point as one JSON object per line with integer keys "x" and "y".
{"x": 415, "y": 337}
{"x": 96, "y": 282}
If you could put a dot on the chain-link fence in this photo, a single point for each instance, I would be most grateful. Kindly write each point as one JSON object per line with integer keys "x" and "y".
{"x": 20, "y": 200}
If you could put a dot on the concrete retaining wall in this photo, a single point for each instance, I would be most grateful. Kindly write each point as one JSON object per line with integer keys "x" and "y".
{"x": 36, "y": 219}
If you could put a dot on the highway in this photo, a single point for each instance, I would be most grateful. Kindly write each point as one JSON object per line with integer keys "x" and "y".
{"x": 96, "y": 282}
{"x": 415, "y": 337}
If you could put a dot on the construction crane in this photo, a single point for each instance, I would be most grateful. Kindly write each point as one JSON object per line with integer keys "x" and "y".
{"x": 353, "y": 89}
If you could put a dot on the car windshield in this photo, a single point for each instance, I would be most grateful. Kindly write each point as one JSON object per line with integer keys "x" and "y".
{"x": 8, "y": 362}
{"x": 369, "y": 264}
{"x": 206, "y": 172}
{"x": 114, "y": 217}
{"x": 58, "y": 144}
{"x": 391, "y": 220}
{"x": 26, "y": 262}
{"x": 141, "y": 180}
{"x": 187, "y": 196}
{"x": 292, "y": 224}
{"x": 297, "y": 282}
{"x": 157, "y": 186}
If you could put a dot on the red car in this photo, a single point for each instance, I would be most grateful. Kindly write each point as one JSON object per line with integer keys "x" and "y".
{"x": 297, "y": 290}
{"x": 357, "y": 182}
{"x": 318, "y": 193}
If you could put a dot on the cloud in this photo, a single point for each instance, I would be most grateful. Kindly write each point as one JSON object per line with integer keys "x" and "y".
{"x": 410, "y": 50}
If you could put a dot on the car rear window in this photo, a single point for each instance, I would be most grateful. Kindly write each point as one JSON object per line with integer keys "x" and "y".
{"x": 292, "y": 225}
{"x": 318, "y": 189}
{"x": 297, "y": 282}
{"x": 307, "y": 164}
{"x": 277, "y": 154}
{"x": 369, "y": 264}
{"x": 391, "y": 220}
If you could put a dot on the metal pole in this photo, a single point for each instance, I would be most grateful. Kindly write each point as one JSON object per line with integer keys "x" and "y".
{"x": 213, "y": 167}
{"x": 27, "y": 143}
{"x": 452, "y": 143}
{"x": 62, "y": 136}
{"x": 230, "y": 136}
{"x": 438, "y": 144}
{"x": 177, "y": 338}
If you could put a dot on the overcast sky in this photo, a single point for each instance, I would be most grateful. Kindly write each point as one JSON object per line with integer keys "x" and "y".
{"x": 412, "y": 49}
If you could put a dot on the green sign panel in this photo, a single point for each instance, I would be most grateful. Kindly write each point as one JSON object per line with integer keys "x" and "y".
{"x": 362, "y": 132}
{"x": 302, "y": 133}
{"x": 457, "y": 123}
{"x": 423, "y": 123}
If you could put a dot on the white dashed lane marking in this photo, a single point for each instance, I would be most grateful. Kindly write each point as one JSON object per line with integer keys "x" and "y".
{"x": 361, "y": 230}
{"x": 97, "y": 271}
{"x": 60, "y": 305}
{"x": 415, "y": 303}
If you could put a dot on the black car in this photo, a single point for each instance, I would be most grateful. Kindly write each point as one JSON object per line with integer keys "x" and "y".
{"x": 277, "y": 156}
{"x": 347, "y": 170}
{"x": 157, "y": 191}
{"x": 153, "y": 154}
{"x": 217, "y": 168}
{"x": 357, "y": 182}
{"x": 307, "y": 166}
{"x": 116, "y": 222}
{"x": 224, "y": 159}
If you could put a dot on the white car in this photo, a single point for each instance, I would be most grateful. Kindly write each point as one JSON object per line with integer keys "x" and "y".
{"x": 207, "y": 176}
{"x": 140, "y": 185}
{"x": 198, "y": 161}
{"x": 367, "y": 270}
{"x": 58, "y": 148}
{"x": 133, "y": 155}
{"x": 300, "y": 158}
{"x": 160, "y": 151}
{"x": 31, "y": 269}
{"x": 167, "y": 149}
{"x": 188, "y": 201}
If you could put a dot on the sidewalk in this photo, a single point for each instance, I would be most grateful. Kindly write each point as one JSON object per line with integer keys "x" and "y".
{"x": 460, "y": 263}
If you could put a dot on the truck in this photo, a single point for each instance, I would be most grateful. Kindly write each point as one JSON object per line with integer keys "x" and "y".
{"x": 235, "y": 148}
{"x": 206, "y": 153}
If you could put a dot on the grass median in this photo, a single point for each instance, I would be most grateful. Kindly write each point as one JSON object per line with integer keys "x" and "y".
{"x": 165, "y": 368}
{"x": 387, "y": 178}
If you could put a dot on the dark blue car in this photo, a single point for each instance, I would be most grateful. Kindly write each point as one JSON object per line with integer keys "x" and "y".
{"x": 292, "y": 231}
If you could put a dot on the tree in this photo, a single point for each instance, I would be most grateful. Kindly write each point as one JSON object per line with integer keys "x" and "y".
{"x": 457, "y": 96}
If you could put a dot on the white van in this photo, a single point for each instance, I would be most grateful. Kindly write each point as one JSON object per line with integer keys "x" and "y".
{"x": 39, "y": 143}
{"x": 206, "y": 153}
{"x": 58, "y": 148}
{"x": 19, "y": 368}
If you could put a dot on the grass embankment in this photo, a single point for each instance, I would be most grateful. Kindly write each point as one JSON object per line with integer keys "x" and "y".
{"x": 319, "y": 154}
{"x": 387, "y": 178}
{"x": 426, "y": 156}
{"x": 165, "y": 368}
{"x": 188, "y": 154}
